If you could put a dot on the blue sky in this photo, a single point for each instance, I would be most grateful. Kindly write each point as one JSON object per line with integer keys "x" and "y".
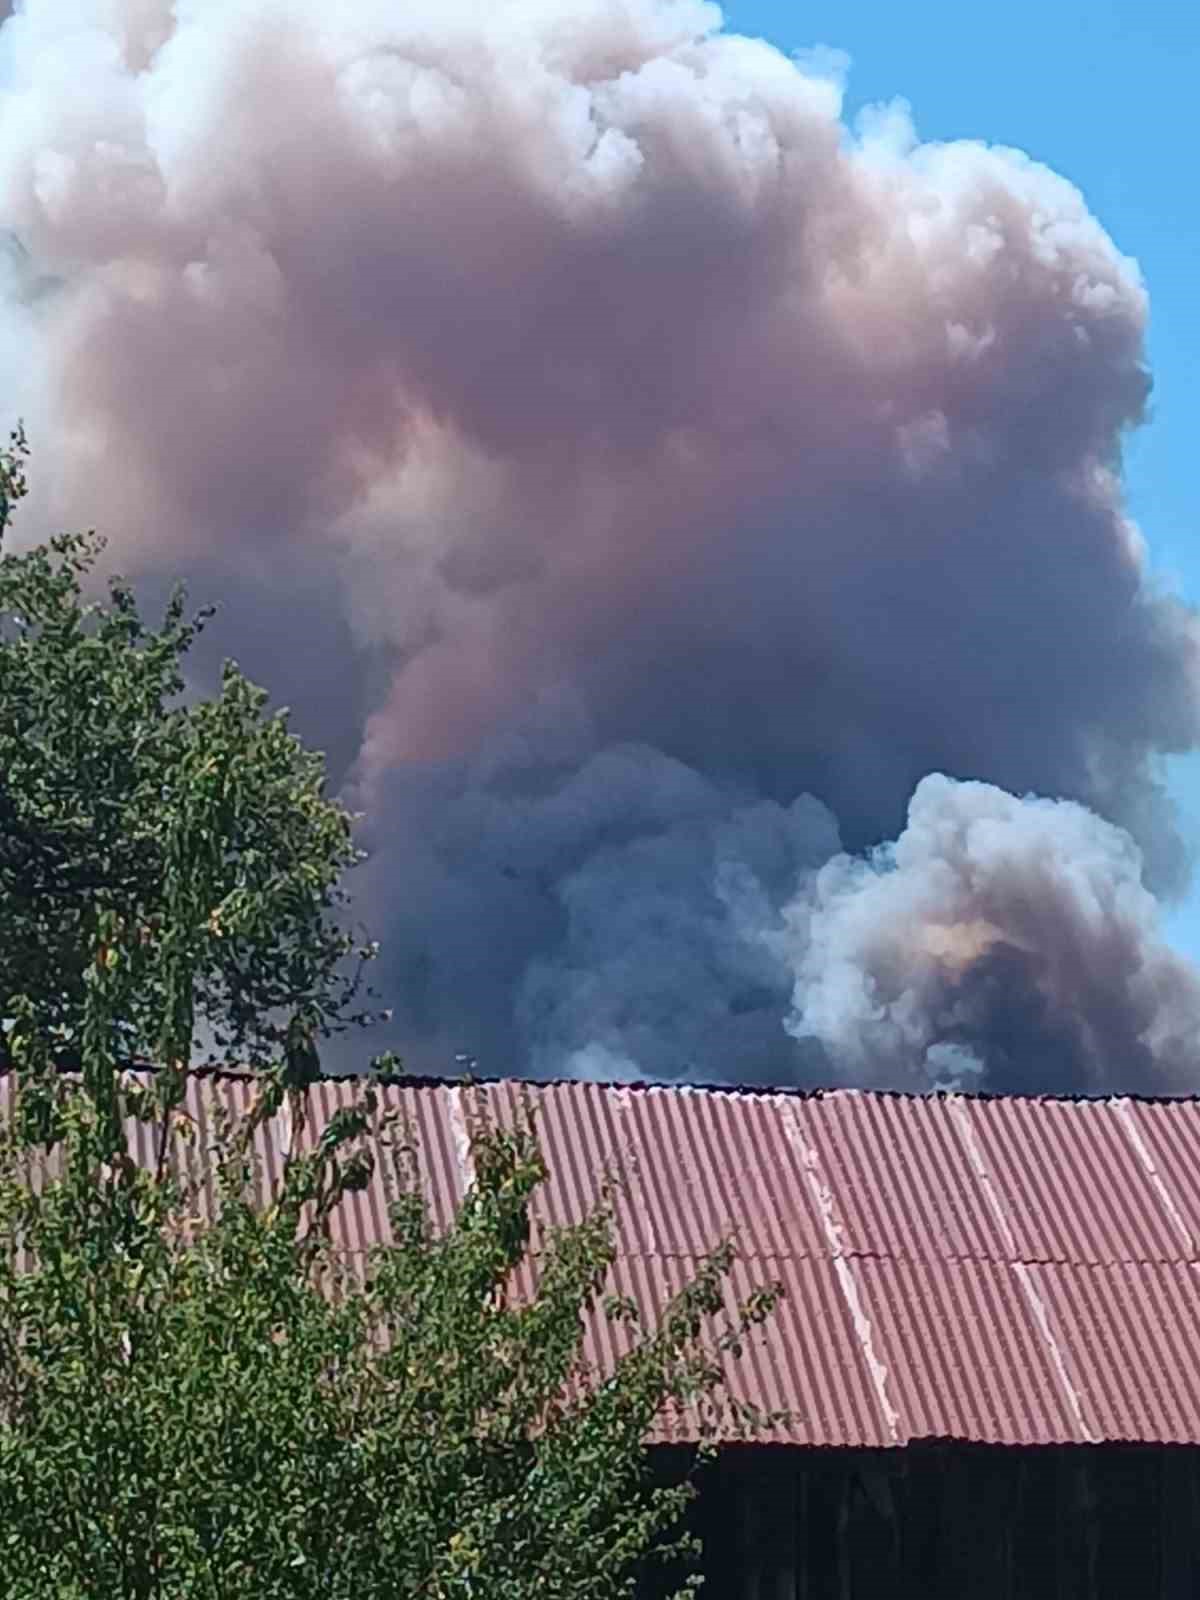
{"x": 1100, "y": 92}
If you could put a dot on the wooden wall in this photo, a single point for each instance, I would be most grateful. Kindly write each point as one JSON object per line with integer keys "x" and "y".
{"x": 947, "y": 1522}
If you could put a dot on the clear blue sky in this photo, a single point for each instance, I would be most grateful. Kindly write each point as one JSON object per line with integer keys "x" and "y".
{"x": 1104, "y": 93}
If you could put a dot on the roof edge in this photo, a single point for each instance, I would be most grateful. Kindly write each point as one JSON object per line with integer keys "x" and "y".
{"x": 425, "y": 1080}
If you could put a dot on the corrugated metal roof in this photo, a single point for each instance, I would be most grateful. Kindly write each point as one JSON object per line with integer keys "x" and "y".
{"x": 1000, "y": 1270}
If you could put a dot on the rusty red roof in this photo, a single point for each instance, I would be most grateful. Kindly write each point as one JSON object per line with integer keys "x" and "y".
{"x": 1000, "y": 1270}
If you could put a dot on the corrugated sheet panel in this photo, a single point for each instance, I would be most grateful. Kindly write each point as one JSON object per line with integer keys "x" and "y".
{"x": 965, "y": 1352}
{"x": 1132, "y": 1332}
{"x": 1066, "y": 1181}
{"x": 1010, "y": 1271}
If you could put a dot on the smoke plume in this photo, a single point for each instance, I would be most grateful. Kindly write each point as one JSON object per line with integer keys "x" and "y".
{"x": 640, "y": 482}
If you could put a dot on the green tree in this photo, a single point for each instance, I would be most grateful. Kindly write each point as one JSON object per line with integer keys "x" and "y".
{"x": 198, "y": 828}
{"x": 201, "y": 1395}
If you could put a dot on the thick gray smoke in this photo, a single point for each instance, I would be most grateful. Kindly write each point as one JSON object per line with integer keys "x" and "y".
{"x": 640, "y": 482}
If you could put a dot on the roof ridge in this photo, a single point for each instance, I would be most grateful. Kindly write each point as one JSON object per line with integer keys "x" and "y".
{"x": 640, "y": 1086}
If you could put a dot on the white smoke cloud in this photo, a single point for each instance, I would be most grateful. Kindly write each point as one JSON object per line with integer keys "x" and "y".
{"x": 999, "y": 935}
{"x": 604, "y": 449}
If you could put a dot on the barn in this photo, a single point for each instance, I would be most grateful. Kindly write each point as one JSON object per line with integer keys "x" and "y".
{"x": 990, "y": 1343}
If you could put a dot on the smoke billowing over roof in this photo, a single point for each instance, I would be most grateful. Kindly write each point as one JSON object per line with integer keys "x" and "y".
{"x": 656, "y": 495}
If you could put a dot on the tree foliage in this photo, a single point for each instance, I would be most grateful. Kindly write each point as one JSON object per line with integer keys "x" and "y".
{"x": 234, "y": 1408}
{"x": 198, "y": 828}
{"x": 201, "y": 1393}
